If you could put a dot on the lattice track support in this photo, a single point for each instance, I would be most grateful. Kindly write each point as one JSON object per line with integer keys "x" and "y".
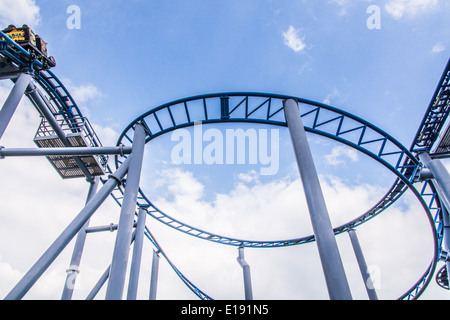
{"x": 66, "y": 166}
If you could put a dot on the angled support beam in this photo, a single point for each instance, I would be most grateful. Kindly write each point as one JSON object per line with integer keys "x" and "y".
{"x": 362, "y": 265}
{"x": 67, "y": 235}
{"x": 99, "y": 284}
{"x": 103, "y": 278}
{"x": 119, "y": 262}
{"x": 11, "y": 103}
{"x": 338, "y": 288}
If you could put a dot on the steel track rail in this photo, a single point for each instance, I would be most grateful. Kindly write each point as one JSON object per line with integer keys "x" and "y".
{"x": 369, "y": 139}
{"x": 320, "y": 119}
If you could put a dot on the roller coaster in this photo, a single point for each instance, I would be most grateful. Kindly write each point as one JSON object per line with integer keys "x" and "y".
{"x": 72, "y": 147}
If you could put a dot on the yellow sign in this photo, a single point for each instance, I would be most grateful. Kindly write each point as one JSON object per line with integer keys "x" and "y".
{"x": 16, "y": 35}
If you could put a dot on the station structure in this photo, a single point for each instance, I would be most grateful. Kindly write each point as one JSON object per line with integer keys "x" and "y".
{"x": 67, "y": 139}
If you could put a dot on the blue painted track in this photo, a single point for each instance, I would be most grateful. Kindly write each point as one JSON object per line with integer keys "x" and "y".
{"x": 264, "y": 108}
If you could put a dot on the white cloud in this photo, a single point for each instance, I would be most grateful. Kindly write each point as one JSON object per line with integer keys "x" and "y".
{"x": 438, "y": 47}
{"x": 340, "y": 154}
{"x": 293, "y": 41}
{"x": 343, "y": 4}
{"x": 409, "y": 8}
{"x": 277, "y": 210}
{"x": 335, "y": 93}
{"x": 19, "y": 12}
{"x": 83, "y": 94}
{"x": 37, "y": 205}
{"x": 249, "y": 177}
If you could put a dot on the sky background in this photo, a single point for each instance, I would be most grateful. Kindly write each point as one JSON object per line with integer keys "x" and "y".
{"x": 130, "y": 56}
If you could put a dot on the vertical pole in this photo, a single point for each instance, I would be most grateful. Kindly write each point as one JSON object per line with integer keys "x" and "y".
{"x": 73, "y": 270}
{"x": 362, "y": 265}
{"x": 119, "y": 262}
{"x": 247, "y": 277}
{"x": 11, "y": 103}
{"x": 137, "y": 254}
{"x": 66, "y": 236}
{"x": 154, "y": 276}
{"x": 338, "y": 288}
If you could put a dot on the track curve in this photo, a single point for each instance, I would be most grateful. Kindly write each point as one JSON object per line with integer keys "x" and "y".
{"x": 320, "y": 119}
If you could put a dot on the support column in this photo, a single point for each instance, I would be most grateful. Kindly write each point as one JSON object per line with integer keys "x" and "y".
{"x": 338, "y": 288}
{"x": 73, "y": 270}
{"x": 362, "y": 265}
{"x": 247, "y": 277}
{"x": 119, "y": 262}
{"x": 440, "y": 175}
{"x": 154, "y": 276}
{"x": 137, "y": 254}
{"x": 11, "y": 103}
{"x": 67, "y": 235}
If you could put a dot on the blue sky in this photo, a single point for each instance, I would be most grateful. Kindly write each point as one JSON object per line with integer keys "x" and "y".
{"x": 130, "y": 56}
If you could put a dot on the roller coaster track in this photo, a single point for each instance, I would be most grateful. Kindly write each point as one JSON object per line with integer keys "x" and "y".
{"x": 318, "y": 118}
{"x": 63, "y": 105}
{"x": 433, "y": 137}
{"x": 261, "y": 108}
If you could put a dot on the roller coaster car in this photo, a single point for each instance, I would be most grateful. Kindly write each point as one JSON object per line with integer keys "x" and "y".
{"x": 32, "y": 43}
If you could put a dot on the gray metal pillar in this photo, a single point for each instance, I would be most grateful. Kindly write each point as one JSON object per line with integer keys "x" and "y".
{"x": 338, "y": 288}
{"x": 247, "y": 277}
{"x": 137, "y": 254}
{"x": 440, "y": 175}
{"x": 362, "y": 265}
{"x": 11, "y": 103}
{"x": 67, "y": 235}
{"x": 154, "y": 276}
{"x": 119, "y": 262}
{"x": 73, "y": 270}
